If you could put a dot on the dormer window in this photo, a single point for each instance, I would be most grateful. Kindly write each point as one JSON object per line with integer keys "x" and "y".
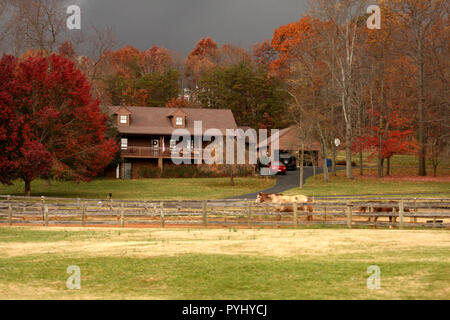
{"x": 178, "y": 118}
{"x": 123, "y": 119}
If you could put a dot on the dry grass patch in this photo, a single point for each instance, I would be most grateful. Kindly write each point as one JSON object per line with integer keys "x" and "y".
{"x": 223, "y": 263}
{"x": 259, "y": 242}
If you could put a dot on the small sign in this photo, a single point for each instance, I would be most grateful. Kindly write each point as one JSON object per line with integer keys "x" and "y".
{"x": 337, "y": 142}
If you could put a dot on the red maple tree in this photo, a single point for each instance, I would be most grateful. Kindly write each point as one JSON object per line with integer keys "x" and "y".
{"x": 48, "y": 118}
{"x": 397, "y": 138}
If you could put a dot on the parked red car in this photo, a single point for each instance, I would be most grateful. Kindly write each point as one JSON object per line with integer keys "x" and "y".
{"x": 277, "y": 167}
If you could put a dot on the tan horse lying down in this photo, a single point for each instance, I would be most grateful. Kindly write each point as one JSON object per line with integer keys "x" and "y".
{"x": 282, "y": 199}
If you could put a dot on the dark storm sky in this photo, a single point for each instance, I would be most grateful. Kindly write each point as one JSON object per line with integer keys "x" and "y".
{"x": 179, "y": 24}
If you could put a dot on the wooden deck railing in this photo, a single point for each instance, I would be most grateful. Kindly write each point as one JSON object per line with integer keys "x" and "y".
{"x": 427, "y": 213}
{"x": 150, "y": 152}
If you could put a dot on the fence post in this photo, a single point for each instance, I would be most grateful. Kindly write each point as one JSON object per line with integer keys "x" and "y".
{"x": 42, "y": 209}
{"x": 10, "y": 214}
{"x": 161, "y": 212}
{"x": 249, "y": 215}
{"x": 349, "y": 215}
{"x": 46, "y": 215}
{"x": 401, "y": 208}
{"x": 295, "y": 214}
{"x": 83, "y": 214}
{"x": 122, "y": 215}
{"x": 204, "y": 214}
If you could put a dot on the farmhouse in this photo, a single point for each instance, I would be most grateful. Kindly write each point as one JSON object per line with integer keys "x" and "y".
{"x": 146, "y": 134}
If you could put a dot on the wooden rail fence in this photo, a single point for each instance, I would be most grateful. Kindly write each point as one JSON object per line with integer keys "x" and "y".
{"x": 406, "y": 213}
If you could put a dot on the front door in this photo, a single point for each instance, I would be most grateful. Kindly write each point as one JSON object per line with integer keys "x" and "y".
{"x": 128, "y": 171}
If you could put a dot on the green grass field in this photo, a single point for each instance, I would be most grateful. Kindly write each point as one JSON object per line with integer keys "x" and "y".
{"x": 399, "y": 163}
{"x": 370, "y": 184}
{"x": 159, "y": 189}
{"x": 223, "y": 264}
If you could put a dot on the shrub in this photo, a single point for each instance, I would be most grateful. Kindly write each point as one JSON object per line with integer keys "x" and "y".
{"x": 194, "y": 171}
{"x": 149, "y": 172}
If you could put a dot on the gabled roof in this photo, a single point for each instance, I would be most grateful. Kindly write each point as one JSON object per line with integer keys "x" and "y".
{"x": 177, "y": 112}
{"x": 122, "y": 110}
{"x": 150, "y": 120}
{"x": 289, "y": 140}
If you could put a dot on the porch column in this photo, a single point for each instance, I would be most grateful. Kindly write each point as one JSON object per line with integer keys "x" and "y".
{"x": 122, "y": 168}
{"x": 160, "y": 163}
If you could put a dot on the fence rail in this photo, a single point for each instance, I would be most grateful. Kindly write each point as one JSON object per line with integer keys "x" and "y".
{"x": 399, "y": 213}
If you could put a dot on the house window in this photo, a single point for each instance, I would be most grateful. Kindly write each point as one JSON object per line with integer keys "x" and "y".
{"x": 124, "y": 143}
{"x": 173, "y": 144}
{"x": 123, "y": 119}
{"x": 179, "y": 121}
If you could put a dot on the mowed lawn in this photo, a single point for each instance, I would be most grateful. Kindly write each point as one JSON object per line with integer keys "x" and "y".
{"x": 144, "y": 189}
{"x": 223, "y": 263}
{"x": 407, "y": 184}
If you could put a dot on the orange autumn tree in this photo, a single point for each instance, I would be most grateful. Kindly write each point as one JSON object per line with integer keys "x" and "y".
{"x": 155, "y": 59}
{"x": 231, "y": 55}
{"x": 264, "y": 54}
{"x": 146, "y": 78}
{"x": 177, "y": 103}
{"x": 421, "y": 21}
{"x": 381, "y": 79}
{"x": 301, "y": 62}
{"x": 203, "y": 57}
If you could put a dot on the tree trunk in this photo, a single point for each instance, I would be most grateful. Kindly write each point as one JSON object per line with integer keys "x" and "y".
{"x": 231, "y": 176}
{"x": 333, "y": 158}
{"x": 333, "y": 143}
{"x": 348, "y": 150}
{"x": 325, "y": 167}
{"x": 421, "y": 115}
{"x": 361, "y": 170}
{"x": 380, "y": 132}
{"x": 388, "y": 167}
{"x": 313, "y": 161}
{"x": 302, "y": 159}
{"x": 380, "y": 157}
{"x": 27, "y": 188}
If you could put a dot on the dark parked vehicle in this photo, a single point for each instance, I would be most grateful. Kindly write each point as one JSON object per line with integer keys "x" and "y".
{"x": 289, "y": 161}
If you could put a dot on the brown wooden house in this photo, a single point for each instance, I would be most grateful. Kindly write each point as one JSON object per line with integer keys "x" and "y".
{"x": 146, "y": 134}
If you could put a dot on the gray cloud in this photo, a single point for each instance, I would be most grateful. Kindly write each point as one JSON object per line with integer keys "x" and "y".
{"x": 179, "y": 24}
